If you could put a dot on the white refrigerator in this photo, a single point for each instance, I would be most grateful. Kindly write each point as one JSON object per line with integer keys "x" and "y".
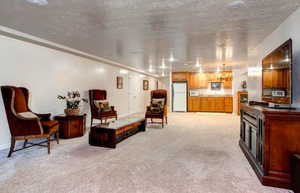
{"x": 179, "y": 97}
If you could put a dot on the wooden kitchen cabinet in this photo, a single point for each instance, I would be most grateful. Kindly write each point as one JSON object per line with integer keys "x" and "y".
{"x": 198, "y": 80}
{"x": 227, "y": 84}
{"x": 204, "y": 105}
{"x": 210, "y": 104}
{"x": 194, "y": 104}
{"x": 219, "y": 104}
{"x": 212, "y": 77}
{"x": 228, "y": 105}
{"x": 180, "y": 76}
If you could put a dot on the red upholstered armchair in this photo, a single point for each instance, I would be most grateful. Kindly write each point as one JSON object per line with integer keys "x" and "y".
{"x": 23, "y": 123}
{"x": 96, "y": 113}
{"x": 158, "y": 113}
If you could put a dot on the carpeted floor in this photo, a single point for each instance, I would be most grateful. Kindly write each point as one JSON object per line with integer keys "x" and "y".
{"x": 195, "y": 153}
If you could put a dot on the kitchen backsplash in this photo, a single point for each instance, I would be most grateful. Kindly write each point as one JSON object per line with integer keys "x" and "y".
{"x": 208, "y": 91}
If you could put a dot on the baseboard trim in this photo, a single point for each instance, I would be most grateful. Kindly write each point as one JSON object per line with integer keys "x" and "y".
{"x": 4, "y": 146}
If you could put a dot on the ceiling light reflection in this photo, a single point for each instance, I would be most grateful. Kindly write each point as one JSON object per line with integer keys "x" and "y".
{"x": 38, "y": 2}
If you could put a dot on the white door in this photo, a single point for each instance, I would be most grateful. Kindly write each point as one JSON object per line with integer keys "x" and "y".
{"x": 180, "y": 97}
{"x": 134, "y": 94}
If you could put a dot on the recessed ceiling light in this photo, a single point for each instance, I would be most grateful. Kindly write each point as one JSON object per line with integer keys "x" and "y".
{"x": 38, "y": 2}
{"x": 236, "y": 4}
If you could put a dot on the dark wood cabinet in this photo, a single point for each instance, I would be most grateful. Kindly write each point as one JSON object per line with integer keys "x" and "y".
{"x": 71, "y": 126}
{"x": 296, "y": 173}
{"x": 269, "y": 138}
{"x": 242, "y": 98}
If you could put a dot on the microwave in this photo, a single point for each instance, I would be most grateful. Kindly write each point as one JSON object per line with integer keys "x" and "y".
{"x": 215, "y": 85}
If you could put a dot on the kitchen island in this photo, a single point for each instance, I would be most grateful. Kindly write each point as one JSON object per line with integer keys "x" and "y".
{"x": 269, "y": 138}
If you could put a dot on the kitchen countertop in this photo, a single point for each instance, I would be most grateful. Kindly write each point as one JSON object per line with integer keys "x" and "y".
{"x": 213, "y": 96}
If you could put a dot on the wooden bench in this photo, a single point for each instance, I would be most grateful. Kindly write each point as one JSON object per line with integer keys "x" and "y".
{"x": 109, "y": 134}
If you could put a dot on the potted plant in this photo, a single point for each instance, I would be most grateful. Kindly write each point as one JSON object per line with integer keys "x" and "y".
{"x": 73, "y": 101}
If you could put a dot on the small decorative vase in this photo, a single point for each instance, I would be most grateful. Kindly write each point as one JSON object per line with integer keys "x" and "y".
{"x": 72, "y": 112}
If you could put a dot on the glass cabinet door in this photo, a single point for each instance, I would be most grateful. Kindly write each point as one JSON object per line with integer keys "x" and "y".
{"x": 253, "y": 141}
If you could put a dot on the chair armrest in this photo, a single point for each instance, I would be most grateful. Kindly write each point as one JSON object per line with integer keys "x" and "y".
{"x": 19, "y": 117}
{"x": 27, "y": 126}
{"x": 44, "y": 117}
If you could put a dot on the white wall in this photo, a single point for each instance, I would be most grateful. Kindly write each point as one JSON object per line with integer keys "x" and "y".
{"x": 239, "y": 75}
{"x": 290, "y": 28}
{"x": 48, "y": 72}
{"x": 166, "y": 83}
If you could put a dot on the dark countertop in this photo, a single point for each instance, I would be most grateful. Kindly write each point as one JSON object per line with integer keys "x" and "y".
{"x": 267, "y": 110}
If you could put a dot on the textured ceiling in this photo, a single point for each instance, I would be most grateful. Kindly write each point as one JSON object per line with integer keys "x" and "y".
{"x": 140, "y": 33}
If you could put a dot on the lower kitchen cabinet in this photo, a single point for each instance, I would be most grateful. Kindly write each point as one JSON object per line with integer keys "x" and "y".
{"x": 193, "y": 104}
{"x": 210, "y": 104}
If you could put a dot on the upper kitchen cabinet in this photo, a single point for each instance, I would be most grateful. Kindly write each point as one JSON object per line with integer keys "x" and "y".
{"x": 227, "y": 84}
{"x": 225, "y": 77}
{"x": 212, "y": 77}
{"x": 198, "y": 80}
{"x": 179, "y": 76}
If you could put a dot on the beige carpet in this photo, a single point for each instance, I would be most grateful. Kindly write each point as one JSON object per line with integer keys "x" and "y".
{"x": 195, "y": 153}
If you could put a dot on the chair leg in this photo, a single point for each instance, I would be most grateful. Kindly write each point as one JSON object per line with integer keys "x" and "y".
{"x": 92, "y": 122}
{"x": 162, "y": 122}
{"x": 25, "y": 143}
{"x": 48, "y": 142}
{"x": 57, "y": 136}
{"x": 12, "y": 146}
